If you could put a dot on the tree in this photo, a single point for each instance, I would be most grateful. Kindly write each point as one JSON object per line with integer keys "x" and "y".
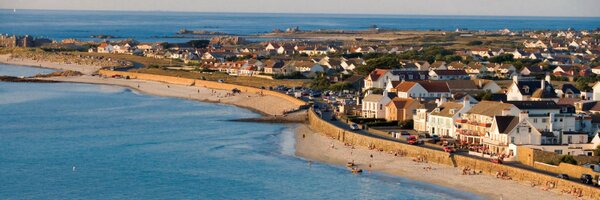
{"x": 406, "y": 124}
{"x": 386, "y": 61}
{"x": 340, "y": 86}
{"x": 597, "y": 151}
{"x": 198, "y": 43}
{"x": 502, "y": 58}
{"x": 568, "y": 159}
{"x": 487, "y": 95}
{"x": 364, "y": 70}
{"x": 475, "y": 43}
{"x": 319, "y": 83}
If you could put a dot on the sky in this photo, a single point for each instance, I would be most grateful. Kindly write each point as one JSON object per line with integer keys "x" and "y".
{"x": 574, "y": 8}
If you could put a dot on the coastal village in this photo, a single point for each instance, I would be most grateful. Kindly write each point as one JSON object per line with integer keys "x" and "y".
{"x": 525, "y": 99}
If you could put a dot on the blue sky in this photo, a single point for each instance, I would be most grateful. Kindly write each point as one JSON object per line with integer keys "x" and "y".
{"x": 585, "y": 8}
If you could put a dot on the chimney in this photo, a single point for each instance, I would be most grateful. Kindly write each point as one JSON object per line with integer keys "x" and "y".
{"x": 480, "y": 84}
{"x": 523, "y": 115}
{"x": 466, "y": 101}
{"x": 506, "y": 112}
{"x": 543, "y": 85}
{"x": 440, "y": 101}
{"x": 547, "y": 78}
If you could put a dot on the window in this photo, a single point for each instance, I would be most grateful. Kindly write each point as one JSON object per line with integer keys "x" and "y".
{"x": 561, "y": 119}
{"x": 380, "y": 106}
{"x": 512, "y": 139}
{"x": 529, "y": 129}
{"x": 518, "y": 129}
{"x": 535, "y": 120}
{"x": 558, "y": 151}
{"x": 570, "y": 139}
{"x": 544, "y": 120}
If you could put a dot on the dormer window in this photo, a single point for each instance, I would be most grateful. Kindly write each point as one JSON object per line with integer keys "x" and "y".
{"x": 526, "y": 89}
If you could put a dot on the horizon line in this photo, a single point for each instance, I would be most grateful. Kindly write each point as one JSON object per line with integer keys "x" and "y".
{"x": 298, "y": 13}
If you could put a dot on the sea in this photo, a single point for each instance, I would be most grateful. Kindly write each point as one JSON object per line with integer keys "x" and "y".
{"x": 152, "y": 26}
{"x": 85, "y": 141}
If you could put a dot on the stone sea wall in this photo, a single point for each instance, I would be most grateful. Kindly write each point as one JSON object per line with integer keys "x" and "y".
{"x": 460, "y": 161}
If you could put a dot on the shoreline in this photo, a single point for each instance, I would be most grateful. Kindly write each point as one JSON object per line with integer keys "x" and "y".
{"x": 318, "y": 147}
{"x": 315, "y": 146}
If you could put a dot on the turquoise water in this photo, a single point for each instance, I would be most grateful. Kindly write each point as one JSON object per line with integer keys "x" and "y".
{"x": 125, "y": 145}
{"x": 11, "y": 70}
{"x": 151, "y": 26}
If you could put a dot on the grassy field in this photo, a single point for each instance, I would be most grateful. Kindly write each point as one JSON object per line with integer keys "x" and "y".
{"x": 238, "y": 80}
{"x": 144, "y": 61}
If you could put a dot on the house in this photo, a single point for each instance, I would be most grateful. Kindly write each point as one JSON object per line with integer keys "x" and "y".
{"x": 438, "y": 65}
{"x": 400, "y": 109}
{"x": 507, "y": 130}
{"x": 546, "y": 116}
{"x": 271, "y": 47}
{"x": 422, "y": 89}
{"x": 596, "y": 92}
{"x": 568, "y": 90}
{"x": 448, "y": 75}
{"x": 473, "y": 125}
{"x": 441, "y": 120}
{"x": 596, "y": 70}
{"x": 531, "y": 89}
{"x": 105, "y": 48}
{"x": 373, "y": 104}
{"x": 421, "y": 116}
{"x": 532, "y": 70}
{"x": 378, "y": 78}
{"x": 277, "y": 67}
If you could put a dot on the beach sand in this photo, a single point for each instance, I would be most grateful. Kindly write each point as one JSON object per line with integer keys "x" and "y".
{"x": 317, "y": 147}
{"x": 85, "y": 69}
{"x": 268, "y": 105}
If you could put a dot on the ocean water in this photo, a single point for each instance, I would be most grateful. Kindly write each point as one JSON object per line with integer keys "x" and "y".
{"x": 80, "y": 141}
{"x": 11, "y": 70}
{"x": 150, "y": 26}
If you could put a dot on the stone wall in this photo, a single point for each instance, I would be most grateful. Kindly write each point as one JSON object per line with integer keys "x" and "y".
{"x": 201, "y": 83}
{"x": 349, "y": 137}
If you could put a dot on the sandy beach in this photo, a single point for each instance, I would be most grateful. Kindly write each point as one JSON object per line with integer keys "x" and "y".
{"x": 264, "y": 104}
{"x": 85, "y": 69}
{"x": 317, "y": 147}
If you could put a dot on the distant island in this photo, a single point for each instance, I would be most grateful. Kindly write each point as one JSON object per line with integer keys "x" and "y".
{"x": 200, "y": 32}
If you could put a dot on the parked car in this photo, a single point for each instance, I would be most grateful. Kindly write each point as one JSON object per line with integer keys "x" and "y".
{"x": 436, "y": 138}
{"x": 497, "y": 161}
{"x": 563, "y": 176}
{"x": 449, "y": 149}
{"x": 413, "y": 140}
{"x": 354, "y": 126}
{"x": 586, "y": 179}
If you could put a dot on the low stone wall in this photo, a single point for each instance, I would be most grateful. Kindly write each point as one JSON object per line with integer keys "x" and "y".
{"x": 574, "y": 171}
{"x": 349, "y": 137}
{"x": 200, "y": 83}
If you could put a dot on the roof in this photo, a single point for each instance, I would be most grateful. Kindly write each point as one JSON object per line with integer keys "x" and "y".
{"x": 401, "y": 102}
{"x": 405, "y": 86}
{"x": 574, "y": 133}
{"x": 544, "y": 94}
{"x": 445, "y": 72}
{"x": 489, "y": 108}
{"x": 461, "y": 84}
{"x": 533, "y": 86}
{"x": 446, "y": 107}
{"x": 375, "y": 74}
{"x": 373, "y": 97}
{"x": 534, "y": 105}
{"x": 505, "y": 124}
{"x": 567, "y": 87}
{"x": 435, "y": 86}
{"x": 353, "y": 79}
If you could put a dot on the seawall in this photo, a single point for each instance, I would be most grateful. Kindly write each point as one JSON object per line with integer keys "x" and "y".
{"x": 518, "y": 174}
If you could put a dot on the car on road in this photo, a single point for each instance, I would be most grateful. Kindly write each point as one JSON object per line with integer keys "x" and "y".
{"x": 449, "y": 149}
{"x": 563, "y": 176}
{"x": 496, "y": 160}
{"x": 586, "y": 179}
{"x": 413, "y": 140}
{"x": 354, "y": 126}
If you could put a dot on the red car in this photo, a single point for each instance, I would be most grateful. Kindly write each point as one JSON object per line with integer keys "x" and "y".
{"x": 412, "y": 140}
{"x": 497, "y": 161}
{"x": 449, "y": 149}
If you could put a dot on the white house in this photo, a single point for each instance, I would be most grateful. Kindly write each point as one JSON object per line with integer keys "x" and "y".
{"x": 373, "y": 105}
{"x": 441, "y": 120}
{"x": 378, "y": 79}
{"x": 431, "y": 90}
{"x": 507, "y": 130}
